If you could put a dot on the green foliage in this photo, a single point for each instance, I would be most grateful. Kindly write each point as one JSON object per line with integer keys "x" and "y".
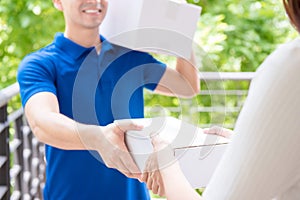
{"x": 25, "y": 26}
{"x": 235, "y": 36}
{"x": 231, "y": 36}
{"x": 239, "y": 35}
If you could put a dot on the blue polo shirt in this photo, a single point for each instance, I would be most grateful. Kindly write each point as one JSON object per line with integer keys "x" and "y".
{"x": 95, "y": 89}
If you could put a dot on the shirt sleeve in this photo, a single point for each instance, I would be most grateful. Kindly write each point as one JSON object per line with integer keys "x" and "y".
{"x": 263, "y": 159}
{"x": 35, "y": 75}
{"x": 153, "y": 71}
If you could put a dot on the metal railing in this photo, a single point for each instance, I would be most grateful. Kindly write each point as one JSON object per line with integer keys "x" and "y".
{"x": 21, "y": 155}
{"x": 22, "y": 167}
{"x": 219, "y": 102}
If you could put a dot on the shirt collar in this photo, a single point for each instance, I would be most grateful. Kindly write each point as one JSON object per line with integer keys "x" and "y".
{"x": 75, "y": 50}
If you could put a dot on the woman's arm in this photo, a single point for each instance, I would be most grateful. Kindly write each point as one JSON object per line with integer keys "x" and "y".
{"x": 176, "y": 185}
{"x": 163, "y": 174}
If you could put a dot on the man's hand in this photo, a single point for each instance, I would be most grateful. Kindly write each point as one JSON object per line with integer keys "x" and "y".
{"x": 57, "y": 130}
{"x": 113, "y": 151}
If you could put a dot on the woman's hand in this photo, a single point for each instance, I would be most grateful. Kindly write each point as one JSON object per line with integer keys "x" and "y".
{"x": 161, "y": 158}
{"x": 217, "y": 130}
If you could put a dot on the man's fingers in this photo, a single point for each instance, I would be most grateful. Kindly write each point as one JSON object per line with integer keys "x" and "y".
{"x": 124, "y": 169}
{"x": 121, "y": 160}
{"x": 144, "y": 177}
{"x": 158, "y": 143}
{"x": 126, "y": 125}
{"x": 151, "y": 163}
{"x": 130, "y": 165}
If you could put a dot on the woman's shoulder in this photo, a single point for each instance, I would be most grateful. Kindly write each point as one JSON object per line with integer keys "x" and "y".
{"x": 290, "y": 49}
{"x": 287, "y": 54}
{"x": 282, "y": 62}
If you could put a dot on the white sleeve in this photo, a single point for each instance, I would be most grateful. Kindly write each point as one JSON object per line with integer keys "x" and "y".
{"x": 263, "y": 159}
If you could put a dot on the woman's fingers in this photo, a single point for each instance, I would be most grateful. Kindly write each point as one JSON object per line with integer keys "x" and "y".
{"x": 217, "y": 130}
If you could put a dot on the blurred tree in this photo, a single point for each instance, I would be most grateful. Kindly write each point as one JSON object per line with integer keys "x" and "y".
{"x": 237, "y": 35}
{"x": 231, "y": 36}
{"x": 25, "y": 26}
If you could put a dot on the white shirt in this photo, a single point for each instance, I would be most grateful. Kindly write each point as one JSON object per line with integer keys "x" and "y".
{"x": 263, "y": 160}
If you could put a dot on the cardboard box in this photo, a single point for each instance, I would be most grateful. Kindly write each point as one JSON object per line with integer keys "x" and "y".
{"x": 198, "y": 153}
{"x": 163, "y": 26}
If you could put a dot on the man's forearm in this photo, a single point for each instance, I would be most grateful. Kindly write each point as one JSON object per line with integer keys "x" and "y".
{"x": 189, "y": 71}
{"x": 62, "y": 132}
{"x": 182, "y": 81}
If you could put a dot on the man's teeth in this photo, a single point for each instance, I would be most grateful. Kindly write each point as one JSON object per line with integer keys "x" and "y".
{"x": 92, "y": 11}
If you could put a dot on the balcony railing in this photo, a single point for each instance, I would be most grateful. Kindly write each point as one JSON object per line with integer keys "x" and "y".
{"x": 219, "y": 102}
{"x": 22, "y": 167}
{"x": 21, "y": 155}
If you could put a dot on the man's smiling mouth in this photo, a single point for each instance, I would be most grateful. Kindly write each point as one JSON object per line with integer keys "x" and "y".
{"x": 92, "y": 11}
{"x": 91, "y": 8}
